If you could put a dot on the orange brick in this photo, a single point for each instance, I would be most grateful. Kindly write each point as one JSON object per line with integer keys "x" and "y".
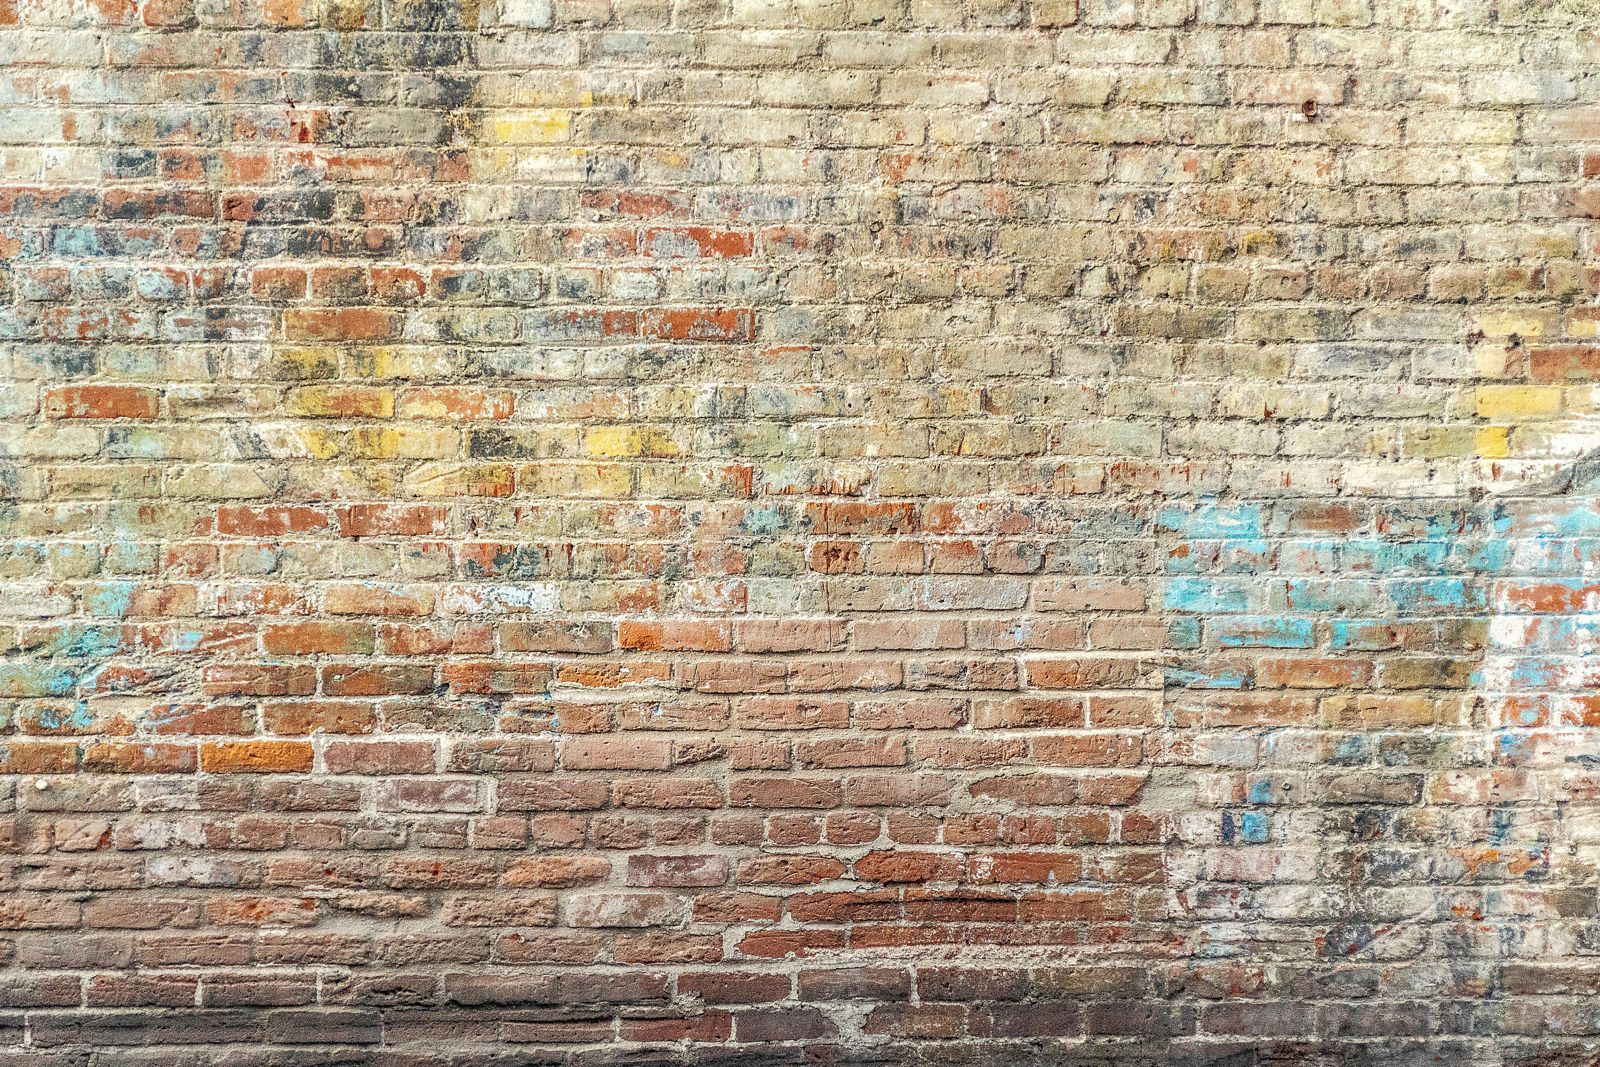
{"x": 342, "y": 324}
{"x": 310, "y": 638}
{"x": 675, "y": 636}
{"x": 255, "y": 757}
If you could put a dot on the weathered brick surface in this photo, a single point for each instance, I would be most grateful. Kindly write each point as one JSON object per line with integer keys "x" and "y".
{"x": 868, "y": 532}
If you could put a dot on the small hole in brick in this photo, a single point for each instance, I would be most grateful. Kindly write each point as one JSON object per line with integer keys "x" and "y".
{"x": 1309, "y": 109}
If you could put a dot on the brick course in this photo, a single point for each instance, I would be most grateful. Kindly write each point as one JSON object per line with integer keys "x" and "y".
{"x": 860, "y": 532}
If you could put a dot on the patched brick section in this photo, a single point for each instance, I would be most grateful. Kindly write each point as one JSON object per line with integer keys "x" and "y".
{"x": 1045, "y": 532}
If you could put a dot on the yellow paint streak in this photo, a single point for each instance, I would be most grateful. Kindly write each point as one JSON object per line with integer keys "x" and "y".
{"x": 532, "y": 126}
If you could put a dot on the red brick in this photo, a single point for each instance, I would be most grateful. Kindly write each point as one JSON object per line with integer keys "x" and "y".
{"x": 269, "y": 521}
{"x": 101, "y": 402}
{"x": 699, "y": 324}
{"x": 312, "y": 716}
{"x": 705, "y": 242}
{"x": 392, "y": 520}
{"x": 379, "y": 757}
{"x": 377, "y": 680}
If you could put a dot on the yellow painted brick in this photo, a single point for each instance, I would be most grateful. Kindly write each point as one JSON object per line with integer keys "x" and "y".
{"x": 373, "y": 442}
{"x": 534, "y": 126}
{"x": 341, "y": 402}
{"x": 1583, "y": 322}
{"x": 401, "y": 361}
{"x": 1443, "y": 442}
{"x": 409, "y": 442}
{"x": 1517, "y": 402}
{"x": 319, "y": 442}
{"x": 304, "y": 361}
{"x": 1527, "y": 324}
{"x": 1493, "y": 442}
{"x": 623, "y": 442}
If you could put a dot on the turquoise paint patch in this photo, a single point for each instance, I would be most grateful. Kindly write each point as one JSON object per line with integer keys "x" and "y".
{"x": 525, "y": 562}
{"x": 1205, "y": 595}
{"x": 1450, "y": 524}
{"x": 1365, "y": 635}
{"x": 1430, "y": 595}
{"x": 1579, "y": 633}
{"x": 1212, "y": 521}
{"x": 1252, "y": 631}
{"x": 1352, "y": 748}
{"x": 1320, "y": 595}
{"x": 83, "y": 642}
{"x": 1548, "y": 518}
{"x": 1535, "y": 672}
{"x": 1500, "y": 820}
{"x": 1509, "y": 746}
{"x": 762, "y": 520}
{"x": 109, "y": 599}
{"x": 37, "y": 679}
{"x": 1194, "y": 561}
{"x": 77, "y": 720}
{"x": 1189, "y": 678}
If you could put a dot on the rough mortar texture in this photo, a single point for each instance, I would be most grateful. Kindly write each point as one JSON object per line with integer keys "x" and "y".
{"x": 799, "y": 532}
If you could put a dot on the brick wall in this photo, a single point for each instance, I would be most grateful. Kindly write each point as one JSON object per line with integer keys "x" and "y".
{"x": 815, "y": 532}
